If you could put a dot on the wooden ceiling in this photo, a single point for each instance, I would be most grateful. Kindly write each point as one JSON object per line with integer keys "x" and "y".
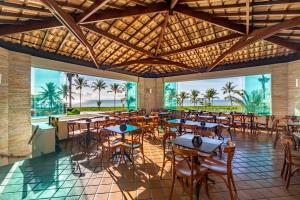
{"x": 153, "y": 38}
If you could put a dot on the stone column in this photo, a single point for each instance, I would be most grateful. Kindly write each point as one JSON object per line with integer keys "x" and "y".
{"x": 3, "y": 105}
{"x": 15, "y": 118}
{"x": 150, "y": 93}
{"x": 19, "y": 103}
{"x": 279, "y": 89}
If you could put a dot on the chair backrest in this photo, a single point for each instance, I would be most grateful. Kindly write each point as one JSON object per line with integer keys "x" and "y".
{"x": 287, "y": 149}
{"x": 167, "y": 136}
{"x": 188, "y": 156}
{"x": 205, "y": 133}
{"x": 71, "y": 126}
{"x": 169, "y": 126}
{"x": 229, "y": 149}
{"x": 187, "y": 127}
{"x": 137, "y": 137}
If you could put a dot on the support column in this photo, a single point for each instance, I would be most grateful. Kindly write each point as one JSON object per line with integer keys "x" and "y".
{"x": 19, "y": 103}
{"x": 3, "y": 105}
{"x": 15, "y": 126}
{"x": 150, "y": 93}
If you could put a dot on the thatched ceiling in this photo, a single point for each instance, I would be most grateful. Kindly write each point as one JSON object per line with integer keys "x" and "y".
{"x": 154, "y": 37}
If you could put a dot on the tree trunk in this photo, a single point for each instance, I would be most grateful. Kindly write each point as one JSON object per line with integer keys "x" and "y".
{"x": 70, "y": 92}
{"x": 99, "y": 100}
{"x": 115, "y": 101}
{"x": 80, "y": 98}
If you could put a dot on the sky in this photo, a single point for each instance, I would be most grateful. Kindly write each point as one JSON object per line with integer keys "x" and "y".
{"x": 43, "y": 76}
{"x": 203, "y": 85}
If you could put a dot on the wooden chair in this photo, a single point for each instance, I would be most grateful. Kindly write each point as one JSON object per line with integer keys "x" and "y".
{"x": 172, "y": 127}
{"x": 221, "y": 168}
{"x": 167, "y": 152}
{"x": 187, "y": 169}
{"x": 291, "y": 163}
{"x": 74, "y": 134}
{"x": 189, "y": 129}
{"x": 135, "y": 141}
{"x": 153, "y": 126}
{"x": 110, "y": 145}
{"x": 261, "y": 124}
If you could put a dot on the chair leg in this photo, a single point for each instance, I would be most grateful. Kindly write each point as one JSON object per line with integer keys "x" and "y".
{"x": 172, "y": 187}
{"x": 283, "y": 168}
{"x": 229, "y": 188}
{"x": 289, "y": 174}
{"x": 142, "y": 152}
{"x": 287, "y": 171}
{"x": 163, "y": 167}
{"x": 233, "y": 183}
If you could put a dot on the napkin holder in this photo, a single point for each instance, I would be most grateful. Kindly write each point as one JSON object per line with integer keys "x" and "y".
{"x": 202, "y": 123}
{"x": 123, "y": 127}
{"x": 197, "y": 140}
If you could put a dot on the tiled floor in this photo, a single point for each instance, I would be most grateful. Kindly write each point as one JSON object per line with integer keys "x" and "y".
{"x": 256, "y": 168}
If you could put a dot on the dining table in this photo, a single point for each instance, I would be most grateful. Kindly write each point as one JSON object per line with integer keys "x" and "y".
{"x": 206, "y": 125}
{"x": 122, "y": 130}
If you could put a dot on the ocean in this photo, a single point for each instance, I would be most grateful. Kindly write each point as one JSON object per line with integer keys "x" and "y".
{"x": 110, "y": 103}
{"x": 93, "y": 103}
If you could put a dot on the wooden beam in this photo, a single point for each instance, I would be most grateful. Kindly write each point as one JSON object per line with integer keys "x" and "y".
{"x": 203, "y": 44}
{"x": 115, "y": 39}
{"x": 241, "y": 5}
{"x": 71, "y": 25}
{"x": 91, "y": 10}
{"x": 259, "y": 13}
{"x": 223, "y": 22}
{"x": 151, "y": 61}
{"x": 107, "y": 14}
{"x": 284, "y": 42}
{"x": 162, "y": 32}
{"x": 247, "y": 16}
{"x": 23, "y": 7}
{"x": 256, "y": 35}
{"x": 173, "y": 4}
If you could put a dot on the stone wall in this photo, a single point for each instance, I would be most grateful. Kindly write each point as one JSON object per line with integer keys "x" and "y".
{"x": 15, "y": 126}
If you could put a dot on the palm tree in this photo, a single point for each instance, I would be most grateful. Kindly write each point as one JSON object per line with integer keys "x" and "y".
{"x": 183, "y": 96}
{"x": 116, "y": 88}
{"x": 99, "y": 85}
{"x": 194, "y": 96}
{"x": 80, "y": 83}
{"x": 64, "y": 91}
{"x": 50, "y": 95}
{"x": 263, "y": 81}
{"x": 229, "y": 89}
{"x": 70, "y": 80}
{"x": 250, "y": 101}
{"x": 210, "y": 94}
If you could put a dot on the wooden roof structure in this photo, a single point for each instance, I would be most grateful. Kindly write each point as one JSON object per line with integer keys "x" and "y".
{"x": 154, "y": 38}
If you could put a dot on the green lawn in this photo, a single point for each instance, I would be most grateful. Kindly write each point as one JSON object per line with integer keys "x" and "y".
{"x": 212, "y": 108}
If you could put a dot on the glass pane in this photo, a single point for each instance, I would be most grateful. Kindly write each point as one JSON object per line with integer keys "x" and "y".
{"x": 48, "y": 91}
{"x": 131, "y": 95}
{"x": 257, "y": 94}
{"x": 170, "y": 90}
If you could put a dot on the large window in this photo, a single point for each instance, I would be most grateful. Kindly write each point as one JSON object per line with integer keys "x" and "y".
{"x": 57, "y": 93}
{"x": 251, "y": 94}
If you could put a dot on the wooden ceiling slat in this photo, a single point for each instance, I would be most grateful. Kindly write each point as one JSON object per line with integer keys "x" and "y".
{"x": 115, "y": 39}
{"x": 100, "y": 16}
{"x": 257, "y": 35}
{"x": 69, "y": 22}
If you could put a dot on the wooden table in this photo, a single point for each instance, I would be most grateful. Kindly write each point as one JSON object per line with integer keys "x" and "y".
{"x": 208, "y": 145}
{"x": 117, "y": 129}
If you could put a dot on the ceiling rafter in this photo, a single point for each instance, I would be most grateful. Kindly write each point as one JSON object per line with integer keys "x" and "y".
{"x": 203, "y": 44}
{"x": 71, "y": 25}
{"x": 256, "y": 35}
{"x": 115, "y": 39}
{"x": 241, "y": 5}
{"x": 151, "y": 61}
{"x": 108, "y": 14}
{"x": 91, "y": 10}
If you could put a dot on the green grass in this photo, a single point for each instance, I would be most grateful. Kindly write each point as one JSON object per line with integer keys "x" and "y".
{"x": 212, "y": 108}
{"x": 101, "y": 109}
